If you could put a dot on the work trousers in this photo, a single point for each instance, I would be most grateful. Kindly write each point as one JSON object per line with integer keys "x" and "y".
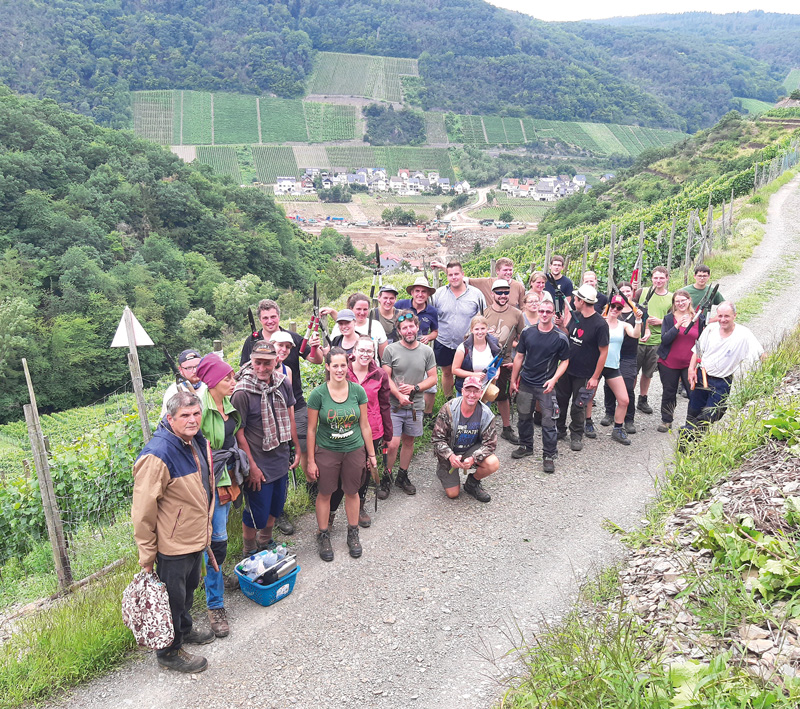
{"x": 527, "y": 398}
{"x": 567, "y": 389}
{"x": 708, "y": 405}
{"x": 181, "y": 575}
{"x": 670, "y": 378}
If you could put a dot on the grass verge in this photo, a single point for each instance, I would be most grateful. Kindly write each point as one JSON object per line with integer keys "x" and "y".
{"x": 604, "y": 655}
{"x": 72, "y": 641}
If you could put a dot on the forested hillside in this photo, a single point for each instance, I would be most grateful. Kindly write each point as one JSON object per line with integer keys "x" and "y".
{"x": 767, "y": 36}
{"x": 92, "y": 219}
{"x": 473, "y": 57}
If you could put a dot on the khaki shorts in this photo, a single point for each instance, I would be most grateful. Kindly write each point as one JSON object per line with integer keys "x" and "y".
{"x": 337, "y": 469}
{"x": 647, "y": 360}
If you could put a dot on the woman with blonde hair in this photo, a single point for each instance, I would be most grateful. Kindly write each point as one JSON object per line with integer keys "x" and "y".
{"x": 476, "y": 353}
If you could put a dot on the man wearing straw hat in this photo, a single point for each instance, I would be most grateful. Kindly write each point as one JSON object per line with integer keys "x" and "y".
{"x": 419, "y": 302}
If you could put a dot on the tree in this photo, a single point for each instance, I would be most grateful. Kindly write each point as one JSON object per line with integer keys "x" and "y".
{"x": 233, "y": 299}
{"x": 506, "y": 216}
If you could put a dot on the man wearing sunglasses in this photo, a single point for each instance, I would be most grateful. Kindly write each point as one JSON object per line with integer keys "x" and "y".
{"x": 189, "y": 381}
{"x": 542, "y": 358}
{"x": 505, "y": 323}
{"x": 411, "y": 367}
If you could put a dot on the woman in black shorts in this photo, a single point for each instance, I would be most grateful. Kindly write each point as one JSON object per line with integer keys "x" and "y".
{"x": 617, "y": 329}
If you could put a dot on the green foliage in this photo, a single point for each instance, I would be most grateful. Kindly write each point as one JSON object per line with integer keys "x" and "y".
{"x": 385, "y": 126}
{"x": 739, "y": 547}
{"x": 398, "y": 215}
{"x": 784, "y": 425}
{"x": 505, "y": 216}
{"x": 783, "y": 112}
{"x": 337, "y": 193}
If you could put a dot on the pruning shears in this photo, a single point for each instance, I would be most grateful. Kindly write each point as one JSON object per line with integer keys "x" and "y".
{"x": 255, "y": 335}
{"x": 377, "y": 276}
{"x": 179, "y": 378}
{"x": 702, "y": 306}
{"x": 560, "y": 299}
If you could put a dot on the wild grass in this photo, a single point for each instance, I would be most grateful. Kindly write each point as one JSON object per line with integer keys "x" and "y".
{"x": 603, "y": 655}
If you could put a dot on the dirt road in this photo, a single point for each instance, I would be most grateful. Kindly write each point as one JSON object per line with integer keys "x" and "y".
{"x": 442, "y": 583}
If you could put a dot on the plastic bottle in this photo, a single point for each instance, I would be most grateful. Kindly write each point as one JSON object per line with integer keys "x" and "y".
{"x": 265, "y": 560}
{"x": 249, "y": 565}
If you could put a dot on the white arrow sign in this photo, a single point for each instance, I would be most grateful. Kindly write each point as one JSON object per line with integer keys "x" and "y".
{"x": 139, "y": 334}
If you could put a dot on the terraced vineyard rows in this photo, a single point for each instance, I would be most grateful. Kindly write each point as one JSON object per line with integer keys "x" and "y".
{"x": 272, "y": 161}
{"x": 792, "y": 80}
{"x": 328, "y": 122}
{"x": 337, "y": 74}
{"x": 495, "y": 132}
{"x": 153, "y": 116}
{"x": 523, "y": 209}
{"x": 435, "y": 128}
{"x": 282, "y": 120}
{"x": 513, "y": 128}
{"x": 221, "y": 159}
{"x": 235, "y": 119}
{"x": 196, "y": 118}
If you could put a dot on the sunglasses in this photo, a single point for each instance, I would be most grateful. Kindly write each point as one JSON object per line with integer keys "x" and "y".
{"x": 616, "y": 306}
{"x": 407, "y": 316}
{"x": 502, "y": 292}
{"x": 545, "y": 311}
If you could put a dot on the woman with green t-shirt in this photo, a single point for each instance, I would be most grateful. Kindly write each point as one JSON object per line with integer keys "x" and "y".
{"x": 338, "y": 433}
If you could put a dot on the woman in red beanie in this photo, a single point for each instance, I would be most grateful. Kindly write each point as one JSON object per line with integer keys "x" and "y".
{"x": 219, "y": 425}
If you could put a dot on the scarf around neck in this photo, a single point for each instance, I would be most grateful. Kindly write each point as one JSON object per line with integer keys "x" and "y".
{"x": 275, "y": 424}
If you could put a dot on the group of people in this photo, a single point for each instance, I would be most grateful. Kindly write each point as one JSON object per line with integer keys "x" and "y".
{"x": 229, "y": 437}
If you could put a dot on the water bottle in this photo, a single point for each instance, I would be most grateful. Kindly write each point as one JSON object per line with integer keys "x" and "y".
{"x": 248, "y": 566}
{"x": 556, "y": 409}
{"x": 265, "y": 560}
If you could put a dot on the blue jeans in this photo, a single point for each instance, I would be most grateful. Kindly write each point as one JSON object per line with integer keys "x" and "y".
{"x": 219, "y": 545}
{"x": 708, "y": 405}
{"x": 527, "y": 396}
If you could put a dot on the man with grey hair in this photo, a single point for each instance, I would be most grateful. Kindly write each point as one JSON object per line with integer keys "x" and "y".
{"x": 173, "y": 505}
{"x": 723, "y": 350}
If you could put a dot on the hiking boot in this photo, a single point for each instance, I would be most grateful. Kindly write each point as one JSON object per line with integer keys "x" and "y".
{"x": 364, "y": 520}
{"x": 182, "y": 661}
{"x": 575, "y": 443}
{"x": 548, "y": 464}
{"x": 663, "y": 427}
{"x": 629, "y": 427}
{"x": 285, "y": 525}
{"x": 404, "y": 483}
{"x": 271, "y": 545}
{"x": 219, "y": 622}
{"x": 509, "y": 435}
{"x": 385, "y": 487}
{"x": 324, "y": 545}
{"x": 521, "y": 452}
{"x": 353, "y": 543}
{"x": 643, "y": 406}
{"x": 606, "y": 420}
{"x": 473, "y": 487}
{"x": 588, "y": 429}
{"x": 249, "y": 551}
{"x": 231, "y": 582}
{"x": 196, "y": 636}
{"x": 619, "y": 435}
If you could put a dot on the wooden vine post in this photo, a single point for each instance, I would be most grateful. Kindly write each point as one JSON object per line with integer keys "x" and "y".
{"x": 547, "y": 254}
{"x": 52, "y": 515}
{"x": 671, "y": 241}
{"x": 611, "y": 259}
{"x": 585, "y": 254}
{"x": 131, "y": 334}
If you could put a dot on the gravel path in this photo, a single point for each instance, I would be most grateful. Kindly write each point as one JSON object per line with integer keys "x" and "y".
{"x": 778, "y": 250}
{"x": 443, "y": 584}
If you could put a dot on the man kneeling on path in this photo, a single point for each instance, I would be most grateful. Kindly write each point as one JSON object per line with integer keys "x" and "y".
{"x": 172, "y": 482}
{"x": 464, "y": 436}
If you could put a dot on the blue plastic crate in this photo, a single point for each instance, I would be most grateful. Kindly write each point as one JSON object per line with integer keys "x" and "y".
{"x": 267, "y": 595}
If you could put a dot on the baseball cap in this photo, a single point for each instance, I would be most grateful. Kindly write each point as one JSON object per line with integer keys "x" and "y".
{"x": 500, "y": 283}
{"x": 617, "y": 300}
{"x": 282, "y": 336}
{"x": 345, "y": 315}
{"x": 474, "y": 382}
{"x": 388, "y": 288}
{"x": 264, "y": 349}
{"x": 187, "y": 355}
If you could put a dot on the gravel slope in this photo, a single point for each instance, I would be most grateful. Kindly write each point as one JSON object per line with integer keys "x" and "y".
{"x": 442, "y": 584}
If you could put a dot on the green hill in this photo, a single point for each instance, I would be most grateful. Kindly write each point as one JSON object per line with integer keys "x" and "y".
{"x": 472, "y": 58}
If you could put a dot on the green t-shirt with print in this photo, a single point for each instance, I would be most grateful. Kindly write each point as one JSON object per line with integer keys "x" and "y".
{"x": 338, "y": 428}
{"x": 658, "y": 306}
{"x": 697, "y": 295}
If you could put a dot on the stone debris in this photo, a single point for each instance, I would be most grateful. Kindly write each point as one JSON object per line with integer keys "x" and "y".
{"x": 664, "y": 583}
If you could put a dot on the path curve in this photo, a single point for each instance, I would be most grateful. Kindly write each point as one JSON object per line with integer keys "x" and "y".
{"x": 442, "y": 584}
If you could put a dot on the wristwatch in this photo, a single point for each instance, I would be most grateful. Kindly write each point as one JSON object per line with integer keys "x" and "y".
{"x": 416, "y": 388}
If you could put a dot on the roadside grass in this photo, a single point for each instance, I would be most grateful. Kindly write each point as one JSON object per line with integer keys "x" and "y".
{"x": 74, "y": 640}
{"x": 603, "y": 655}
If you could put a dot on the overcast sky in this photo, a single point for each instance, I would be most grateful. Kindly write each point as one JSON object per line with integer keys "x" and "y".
{"x": 624, "y": 8}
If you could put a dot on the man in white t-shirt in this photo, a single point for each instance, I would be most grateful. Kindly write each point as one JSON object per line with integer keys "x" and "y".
{"x": 724, "y": 349}
{"x": 187, "y": 379}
